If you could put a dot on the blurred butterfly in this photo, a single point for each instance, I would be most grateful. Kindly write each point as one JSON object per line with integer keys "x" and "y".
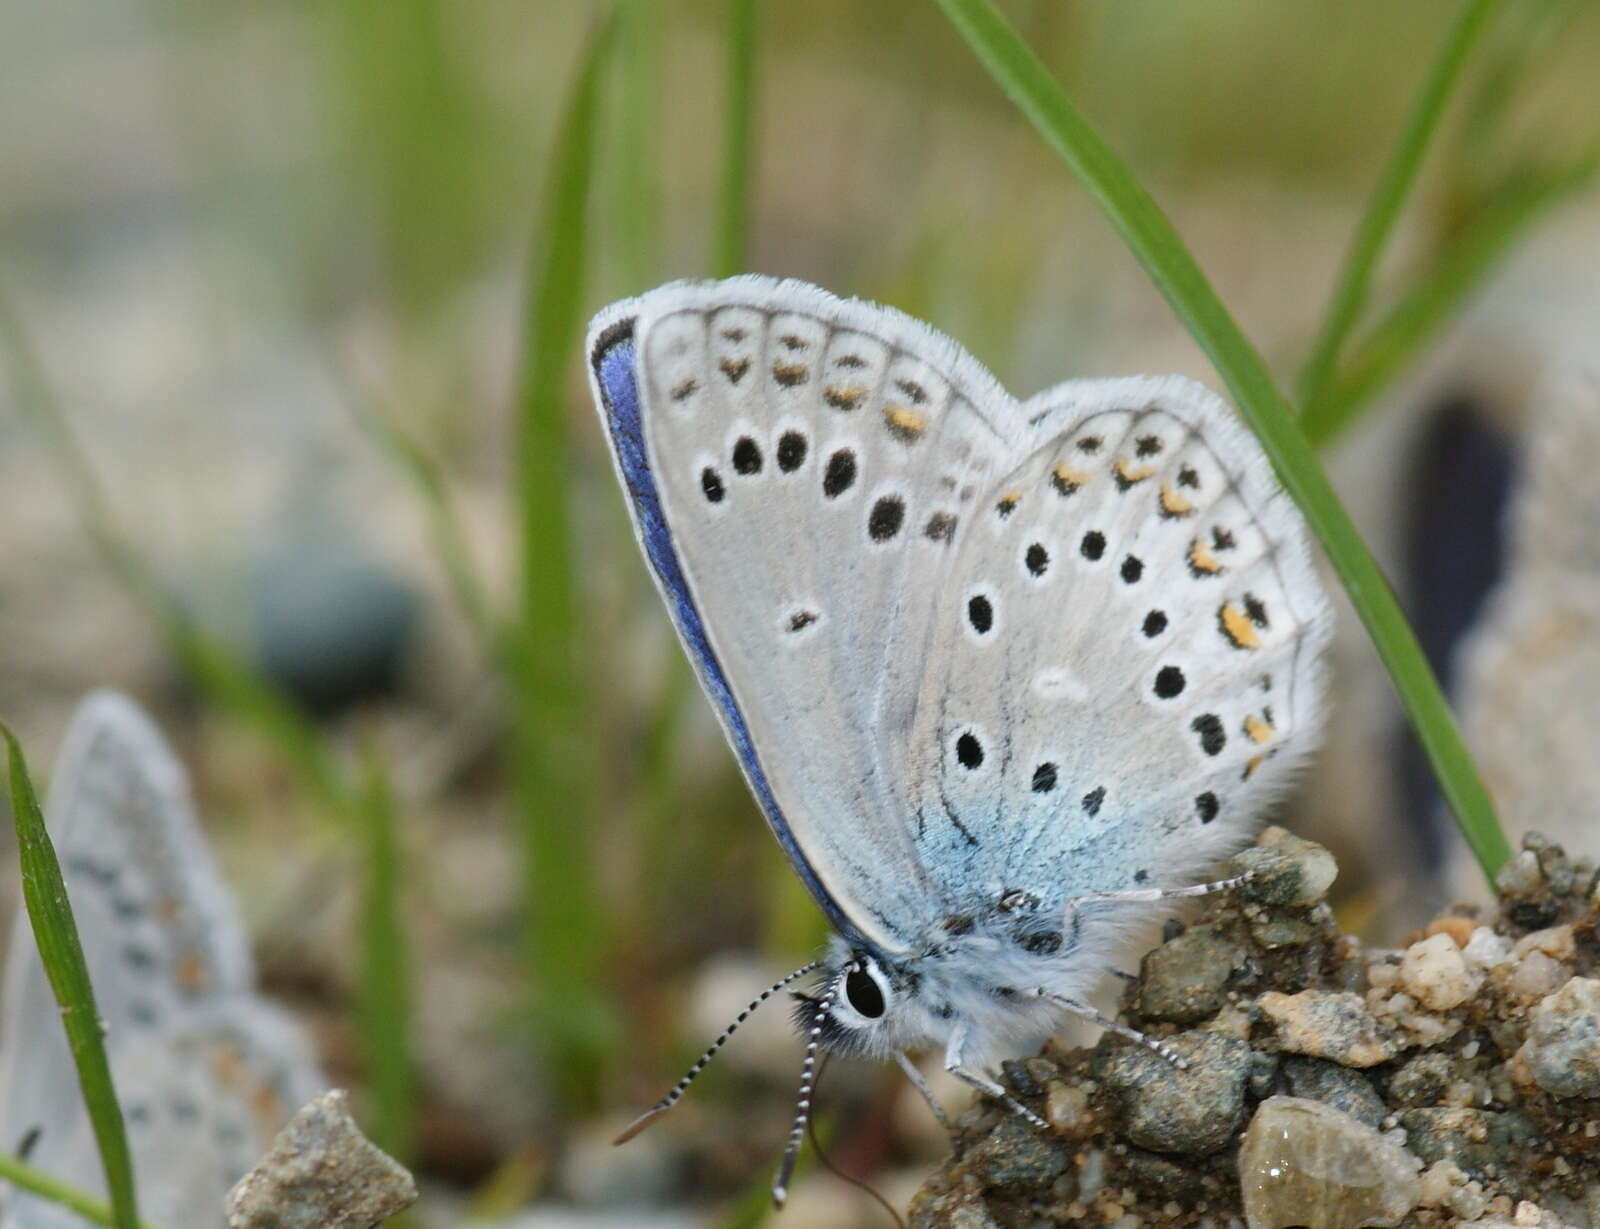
{"x": 989, "y": 667}
{"x": 206, "y": 1070}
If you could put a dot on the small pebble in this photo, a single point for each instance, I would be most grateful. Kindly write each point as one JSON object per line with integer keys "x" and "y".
{"x": 1066, "y": 1108}
{"x": 1562, "y": 1052}
{"x": 1166, "y": 1109}
{"x": 1536, "y": 976}
{"x": 1288, "y": 871}
{"x": 1521, "y": 876}
{"x": 1487, "y": 950}
{"x": 1335, "y": 1026}
{"x": 1453, "y": 924}
{"x": 1556, "y": 942}
{"x": 1437, "y": 975}
{"x": 1438, "y": 1183}
{"x": 1479, "y": 1141}
{"x": 1183, "y": 980}
{"x": 321, "y": 1173}
{"x": 1306, "y": 1163}
{"x": 1314, "y": 1079}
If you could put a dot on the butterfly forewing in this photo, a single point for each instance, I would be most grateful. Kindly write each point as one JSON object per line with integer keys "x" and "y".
{"x": 1124, "y": 664}
{"x": 816, "y": 463}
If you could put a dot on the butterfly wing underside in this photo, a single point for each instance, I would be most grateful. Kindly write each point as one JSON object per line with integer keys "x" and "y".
{"x": 205, "y": 1070}
{"x": 1124, "y": 668}
{"x": 800, "y": 470}
{"x": 841, "y": 505}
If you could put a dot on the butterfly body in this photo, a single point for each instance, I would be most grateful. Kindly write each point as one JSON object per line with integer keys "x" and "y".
{"x": 979, "y": 658}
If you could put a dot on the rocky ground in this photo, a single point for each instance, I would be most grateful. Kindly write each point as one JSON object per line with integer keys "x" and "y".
{"x": 1453, "y": 1081}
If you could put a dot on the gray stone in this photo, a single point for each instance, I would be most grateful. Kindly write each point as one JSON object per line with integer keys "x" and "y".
{"x": 1161, "y": 1177}
{"x": 1194, "y": 1110}
{"x": 321, "y": 1173}
{"x": 1482, "y": 1142}
{"x": 1317, "y": 1080}
{"x": 1562, "y": 1051}
{"x": 1335, "y": 1026}
{"x": 1306, "y": 1163}
{"x": 1288, "y": 870}
{"x": 1421, "y": 1080}
{"x": 1017, "y": 1155}
{"x": 1263, "y": 1074}
{"x": 1183, "y": 980}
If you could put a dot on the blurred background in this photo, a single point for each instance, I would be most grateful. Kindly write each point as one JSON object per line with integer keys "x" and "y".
{"x": 295, "y": 447}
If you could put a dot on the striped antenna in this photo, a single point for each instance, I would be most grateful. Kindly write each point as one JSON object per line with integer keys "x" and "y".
{"x": 802, "y": 1109}
{"x": 671, "y": 1099}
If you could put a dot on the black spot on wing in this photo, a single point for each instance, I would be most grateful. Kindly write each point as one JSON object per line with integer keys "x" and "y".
{"x": 1213, "y": 738}
{"x": 791, "y": 451}
{"x": 886, "y": 517}
{"x": 840, "y": 474}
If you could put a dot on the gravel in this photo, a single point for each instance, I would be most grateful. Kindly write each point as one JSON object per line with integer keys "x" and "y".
{"x": 1453, "y": 1081}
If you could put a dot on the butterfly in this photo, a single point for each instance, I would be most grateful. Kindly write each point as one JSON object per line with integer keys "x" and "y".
{"x": 206, "y": 1071}
{"x": 997, "y": 672}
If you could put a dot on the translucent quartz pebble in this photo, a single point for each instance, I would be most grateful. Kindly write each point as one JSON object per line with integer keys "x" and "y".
{"x": 1306, "y": 1163}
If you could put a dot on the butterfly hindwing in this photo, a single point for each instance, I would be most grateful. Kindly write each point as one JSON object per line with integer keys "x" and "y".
{"x": 1124, "y": 666}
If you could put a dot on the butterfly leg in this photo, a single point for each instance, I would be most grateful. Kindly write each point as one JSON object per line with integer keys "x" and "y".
{"x": 954, "y": 1065}
{"x": 921, "y": 1085}
{"x": 1147, "y": 896}
{"x": 1085, "y": 1012}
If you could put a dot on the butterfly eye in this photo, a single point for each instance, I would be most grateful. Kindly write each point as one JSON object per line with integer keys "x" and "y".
{"x": 862, "y": 992}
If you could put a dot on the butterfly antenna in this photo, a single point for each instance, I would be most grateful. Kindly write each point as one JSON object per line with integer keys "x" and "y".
{"x": 802, "y": 1109}
{"x": 671, "y": 1099}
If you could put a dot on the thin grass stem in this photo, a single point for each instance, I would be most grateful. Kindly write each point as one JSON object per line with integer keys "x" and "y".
{"x": 1421, "y": 315}
{"x": 1388, "y": 196}
{"x": 1170, "y": 266}
{"x": 36, "y": 1182}
{"x": 553, "y": 770}
{"x": 730, "y": 242}
{"x": 385, "y": 1000}
{"x": 55, "y": 932}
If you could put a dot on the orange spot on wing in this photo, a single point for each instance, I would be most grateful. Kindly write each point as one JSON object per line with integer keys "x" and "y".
{"x": 192, "y": 973}
{"x": 1237, "y": 627}
{"x": 1202, "y": 559}
{"x": 1127, "y": 475}
{"x": 844, "y": 396}
{"x": 903, "y": 423}
{"x": 1258, "y": 729}
{"x": 1174, "y": 504}
{"x": 1066, "y": 479}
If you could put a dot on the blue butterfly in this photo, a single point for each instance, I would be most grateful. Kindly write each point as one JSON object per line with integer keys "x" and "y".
{"x": 983, "y": 662}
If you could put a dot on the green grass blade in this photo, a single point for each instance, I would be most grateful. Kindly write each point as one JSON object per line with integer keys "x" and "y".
{"x": 1422, "y": 313}
{"x": 553, "y": 772}
{"x": 56, "y": 933}
{"x": 1153, "y": 241}
{"x": 1383, "y": 209}
{"x": 37, "y": 1182}
{"x": 385, "y": 1002}
{"x": 219, "y": 674}
{"x": 730, "y": 243}
{"x": 638, "y": 160}
{"x": 427, "y": 477}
